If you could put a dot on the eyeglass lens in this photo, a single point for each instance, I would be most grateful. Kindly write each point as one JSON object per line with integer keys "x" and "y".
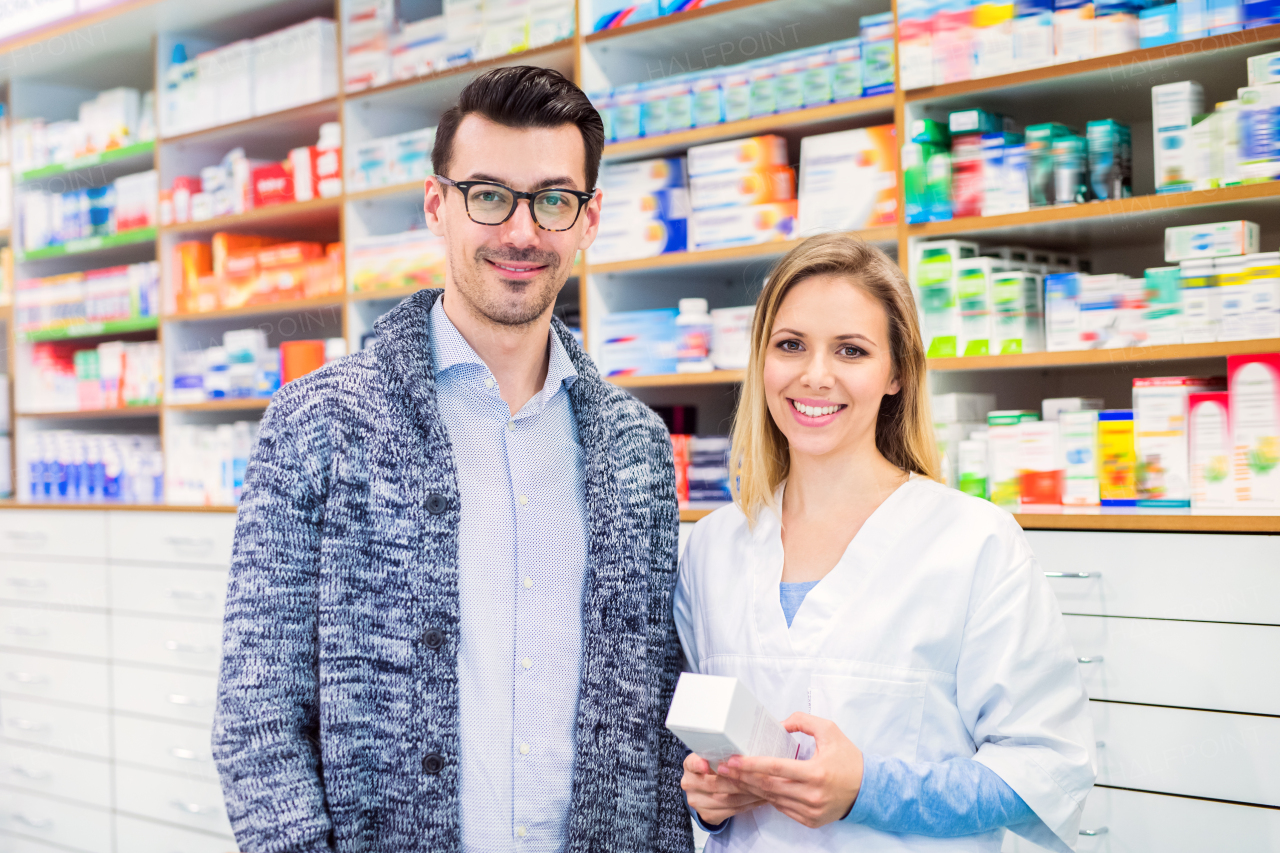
{"x": 489, "y": 204}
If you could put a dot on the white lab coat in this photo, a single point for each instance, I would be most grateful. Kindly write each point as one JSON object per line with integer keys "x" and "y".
{"x": 934, "y": 637}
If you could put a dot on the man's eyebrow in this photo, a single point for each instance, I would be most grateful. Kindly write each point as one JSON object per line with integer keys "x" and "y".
{"x": 547, "y": 183}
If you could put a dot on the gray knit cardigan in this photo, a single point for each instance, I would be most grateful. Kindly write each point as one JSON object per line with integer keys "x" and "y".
{"x": 337, "y": 714}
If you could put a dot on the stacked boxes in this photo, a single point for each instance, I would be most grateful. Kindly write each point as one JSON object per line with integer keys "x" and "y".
{"x": 848, "y": 180}
{"x": 743, "y": 223}
{"x": 646, "y": 210}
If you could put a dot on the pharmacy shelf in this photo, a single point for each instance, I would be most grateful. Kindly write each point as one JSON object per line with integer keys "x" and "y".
{"x": 294, "y": 214}
{"x": 282, "y": 307}
{"x": 695, "y": 514}
{"x": 879, "y": 106}
{"x": 91, "y": 330}
{"x": 396, "y": 293}
{"x": 141, "y": 152}
{"x": 670, "y": 380}
{"x": 239, "y": 404}
{"x": 280, "y": 123}
{"x": 734, "y": 254}
{"x": 91, "y": 245}
{"x": 1121, "y": 68}
{"x": 15, "y": 504}
{"x": 562, "y": 49}
{"x": 124, "y": 412}
{"x": 1127, "y": 356}
{"x": 677, "y": 20}
{"x": 1136, "y": 521}
{"x": 388, "y": 191}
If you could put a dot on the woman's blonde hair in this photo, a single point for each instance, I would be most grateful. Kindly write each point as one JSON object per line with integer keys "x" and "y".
{"x": 904, "y": 427}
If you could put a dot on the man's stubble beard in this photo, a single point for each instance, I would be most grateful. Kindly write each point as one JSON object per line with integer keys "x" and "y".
{"x": 469, "y": 281}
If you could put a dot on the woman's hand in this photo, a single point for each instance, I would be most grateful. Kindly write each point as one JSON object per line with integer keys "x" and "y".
{"x": 816, "y": 792}
{"x": 713, "y": 797}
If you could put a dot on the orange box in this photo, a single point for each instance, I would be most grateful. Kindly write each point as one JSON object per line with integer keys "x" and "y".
{"x": 191, "y": 260}
{"x": 298, "y": 358}
{"x": 321, "y": 278}
{"x": 225, "y": 245}
{"x": 285, "y": 254}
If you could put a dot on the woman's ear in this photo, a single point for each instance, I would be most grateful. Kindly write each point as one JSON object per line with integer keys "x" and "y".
{"x": 894, "y": 387}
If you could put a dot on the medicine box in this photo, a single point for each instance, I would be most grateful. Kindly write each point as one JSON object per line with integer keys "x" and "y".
{"x": 1213, "y": 240}
{"x": 717, "y": 717}
{"x": 642, "y": 176}
{"x": 848, "y": 180}
{"x": 1116, "y": 459}
{"x": 642, "y": 226}
{"x": 638, "y": 343}
{"x": 1163, "y": 314}
{"x": 1052, "y": 408}
{"x": 958, "y": 407}
{"x": 735, "y": 189}
{"x": 974, "y": 294}
{"x": 1040, "y": 464}
{"x": 1018, "y": 312}
{"x": 1174, "y": 108}
{"x": 1062, "y": 312}
{"x": 1004, "y": 437}
{"x": 1254, "y": 384}
{"x": 1210, "y": 451}
{"x": 935, "y": 275}
{"x": 756, "y": 152}
{"x": 1079, "y": 431}
{"x": 1160, "y": 409}
{"x": 971, "y": 467}
{"x": 731, "y": 337}
{"x": 742, "y": 226}
{"x": 1264, "y": 69}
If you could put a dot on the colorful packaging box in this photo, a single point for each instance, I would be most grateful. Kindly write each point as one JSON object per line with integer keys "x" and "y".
{"x": 1262, "y": 283}
{"x": 734, "y": 189}
{"x": 642, "y": 176}
{"x": 1117, "y": 461}
{"x": 1174, "y": 107}
{"x": 877, "y": 54}
{"x": 848, "y": 180}
{"x": 756, "y": 152}
{"x": 948, "y": 437}
{"x": 1004, "y": 441}
{"x": 638, "y": 343}
{"x": 1080, "y": 452}
{"x": 1040, "y": 464}
{"x": 1162, "y": 317}
{"x": 1040, "y": 140}
{"x": 1160, "y": 409}
{"x": 1018, "y": 312}
{"x": 1200, "y": 302}
{"x": 1210, "y": 450}
{"x": 935, "y": 274}
{"x": 971, "y": 466}
{"x": 975, "y": 295}
{"x": 1063, "y": 324}
{"x": 1254, "y": 384}
{"x": 642, "y": 226}
{"x": 742, "y": 226}
{"x": 1158, "y": 26}
{"x": 1212, "y": 240}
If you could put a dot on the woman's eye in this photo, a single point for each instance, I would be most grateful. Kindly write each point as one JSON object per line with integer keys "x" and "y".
{"x": 789, "y": 346}
{"x": 851, "y": 352}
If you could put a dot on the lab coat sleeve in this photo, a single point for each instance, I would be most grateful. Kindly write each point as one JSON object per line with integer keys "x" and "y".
{"x": 1019, "y": 690}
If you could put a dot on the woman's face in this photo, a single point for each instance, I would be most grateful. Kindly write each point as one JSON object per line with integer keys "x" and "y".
{"x": 827, "y": 366}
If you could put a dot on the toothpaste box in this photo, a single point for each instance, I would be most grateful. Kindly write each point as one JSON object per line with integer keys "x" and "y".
{"x": 742, "y": 226}
{"x": 1213, "y": 240}
{"x": 848, "y": 180}
{"x": 642, "y": 176}
{"x": 1160, "y": 409}
{"x": 1079, "y": 431}
{"x": 735, "y": 189}
{"x": 736, "y": 155}
{"x": 717, "y": 717}
{"x": 1254, "y": 384}
{"x": 1116, "y": 459}
{"x": 1210, "y": 451}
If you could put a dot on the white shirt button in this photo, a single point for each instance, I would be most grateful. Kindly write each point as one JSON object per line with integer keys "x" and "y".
{"x": 524, "y": 749}
{"x": 511, "y": 426}
{"x": 523, "y": 500}
{"x": 521, "y": 831}
{"x": 528, "y": 583}
{"x": 488, "y": 382}
{"x": 526, "y": 663}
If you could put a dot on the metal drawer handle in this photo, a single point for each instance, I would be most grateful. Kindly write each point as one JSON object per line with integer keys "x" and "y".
{"x": 193, "y": 808}
{"x": 190, "y": 595}
{"x": 20, "y": 631}
{"x": 180, "y": 699}
{"x": 189, "y": 648}
{"x": 1079, "y": 575}
{"x": 1094, "y": 833}
{"x": 26, "y": 583}
{"x": 19, "y": 770}
{"x": 34, "y": 823}
{"x": 26, "y": 678}
{"x": 26, "y": 725}
{"x": 185, "y": 754}
{"x": 1094, "y": 659}
{"x": 202, "y": 543}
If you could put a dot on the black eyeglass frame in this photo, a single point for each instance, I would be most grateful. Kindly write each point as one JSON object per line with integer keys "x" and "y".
{"x": 516, "y": 195}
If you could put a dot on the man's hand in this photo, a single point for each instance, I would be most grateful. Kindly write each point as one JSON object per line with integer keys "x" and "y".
{"x": 816, "y": 792}
{"x": 713, "y": 797}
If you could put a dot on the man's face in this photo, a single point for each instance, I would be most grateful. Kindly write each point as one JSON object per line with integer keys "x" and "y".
{"x": 510, "y": 273}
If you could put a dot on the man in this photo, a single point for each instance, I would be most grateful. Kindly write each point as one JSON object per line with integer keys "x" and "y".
{"x": 448, "y": 624}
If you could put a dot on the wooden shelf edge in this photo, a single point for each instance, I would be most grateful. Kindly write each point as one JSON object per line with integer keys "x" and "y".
{"x": 383, "y": 191}
{"x": 668, "y": 380}
{"x": 1131, "y": 355}
{"x": 755, "y": 251}
{"x": 235, "y": 404}
{"x": 1152, "y": 203}
{"x": 302, "y": 110}
{"x": 258, "y": 214}
{"x": 15, "y": 504}
{"x": 469, "y": 68}
{"x": 750, "y": 127}
{"x": 137, "y": 150}
{"x": 71, "y": 23}
{"x": 93, "y": 414}
{"x": 694, "y": 514}
{"x": 266, "y": 308}
{"x": 1161, "y": 523}
{"x": 671, "y": 20}
{"x": 1112, "y": 62}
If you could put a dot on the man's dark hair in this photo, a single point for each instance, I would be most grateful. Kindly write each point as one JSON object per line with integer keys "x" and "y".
{"x": 523, "y": 96}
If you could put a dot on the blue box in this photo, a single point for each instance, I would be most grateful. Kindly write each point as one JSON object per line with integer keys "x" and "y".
{"x": 639, "y": 343}
{"x": 1158, "y": 26}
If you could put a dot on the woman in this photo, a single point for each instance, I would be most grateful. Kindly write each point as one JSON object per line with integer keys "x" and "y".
{"x": 904, "y": 626}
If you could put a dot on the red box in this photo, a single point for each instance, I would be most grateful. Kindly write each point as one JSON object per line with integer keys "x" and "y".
{"x": 317, "y": 173}
{"x": 966, "y": 175}
{"x": 272, "y": 184}
{"x": 288, "y": 254}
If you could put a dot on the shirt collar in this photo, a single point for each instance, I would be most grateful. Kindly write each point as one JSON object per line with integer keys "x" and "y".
{"x": 449, "y": 349}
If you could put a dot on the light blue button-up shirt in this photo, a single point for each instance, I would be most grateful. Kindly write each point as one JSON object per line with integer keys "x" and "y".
{"x": 522, "y": 551}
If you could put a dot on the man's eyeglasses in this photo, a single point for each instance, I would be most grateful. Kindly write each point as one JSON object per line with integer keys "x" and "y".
{"x": 488, "y": 203}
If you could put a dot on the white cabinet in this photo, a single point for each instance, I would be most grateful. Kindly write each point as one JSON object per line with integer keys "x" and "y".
{"x": 193, "y": 803}
{"x": 171, "y": 695}
{"x": 166, "y": 642}
{"x": 168, "y": 591}
{"x": 134, "y": 835}
{"x": 67, "y": 632}
{"x": 42, "y": 724}
{"x": 73, "y": 681}
{"x": 171, "y": 537}
{"x": 53, "y": 582}
{"x": 56, "y": 821}
{"x": 53, "y": 533}
{"x": 175, "y": 747}
{"x": 86, "y": 780}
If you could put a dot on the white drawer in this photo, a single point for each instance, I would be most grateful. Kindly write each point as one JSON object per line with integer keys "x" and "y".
{"x": 18, "y": 844}
{"x": 172, "y": 695}
{"x": 195, "y": 803}
{"x": 1198, "y": 753}
{"x": 81, "y": 682}
{"x": 1154, "y": 823}
{"x": 141, "y": 836}
{"x": 165, "y": 746}
{"x": 61, "y": 631}
{"x": 172, "y": 537}
{"x": 167, "y": 642}
{"x": 58, "y": 822}
{"x": 85, "y": 780}
{"x": 74, "y": 729}
{"x": 1207, "y": 577}
{"x": 46, "y": 582}
{"x": 1188, "y": 664}
{"x": 54, "y": 533}
{"x": 168, "y": 591}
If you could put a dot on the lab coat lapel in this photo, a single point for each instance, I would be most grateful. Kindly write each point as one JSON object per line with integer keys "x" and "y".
{"x": 766, "y": 574}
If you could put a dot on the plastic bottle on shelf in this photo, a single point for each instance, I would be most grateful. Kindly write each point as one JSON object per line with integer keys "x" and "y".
{"x": 693, "y": 328}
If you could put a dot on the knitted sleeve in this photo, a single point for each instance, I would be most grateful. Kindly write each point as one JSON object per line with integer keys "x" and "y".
{"x": 674, "y": 831}
{"x": 266, "y": 729}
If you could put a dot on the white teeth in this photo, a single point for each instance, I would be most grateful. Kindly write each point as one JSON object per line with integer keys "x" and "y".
{"x": 512, "y": 269}
{"x": 815, "y": 411}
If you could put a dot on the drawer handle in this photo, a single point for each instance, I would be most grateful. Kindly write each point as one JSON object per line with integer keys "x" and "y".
{"x": 1094, "y": 659}
{"x": 1077, "y": 575}
{"x": 26, "y": 583}
{"x": 187, "y": 701}
{"x": 27, "y": 725}
{"x": 39, "y": 776}
{"x": 193, "y": 808}
{"x": 188, "y": 648}
{"x": 190, "y": 595}
{"x": 1094, "y": 833}
{"x": 27, "y": 678}
{"x": 184, "y": 754}
{"x": 32, "y": 536}
{"x": 190, "y": 543}
{"x": 33, "y": 822}
{"x": 20, "y": 631}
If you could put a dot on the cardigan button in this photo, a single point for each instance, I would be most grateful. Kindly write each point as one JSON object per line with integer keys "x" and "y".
{"x": 436, "y": 504}
{"x": 433, "y": 763}
{"x": 433, "y": 638}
